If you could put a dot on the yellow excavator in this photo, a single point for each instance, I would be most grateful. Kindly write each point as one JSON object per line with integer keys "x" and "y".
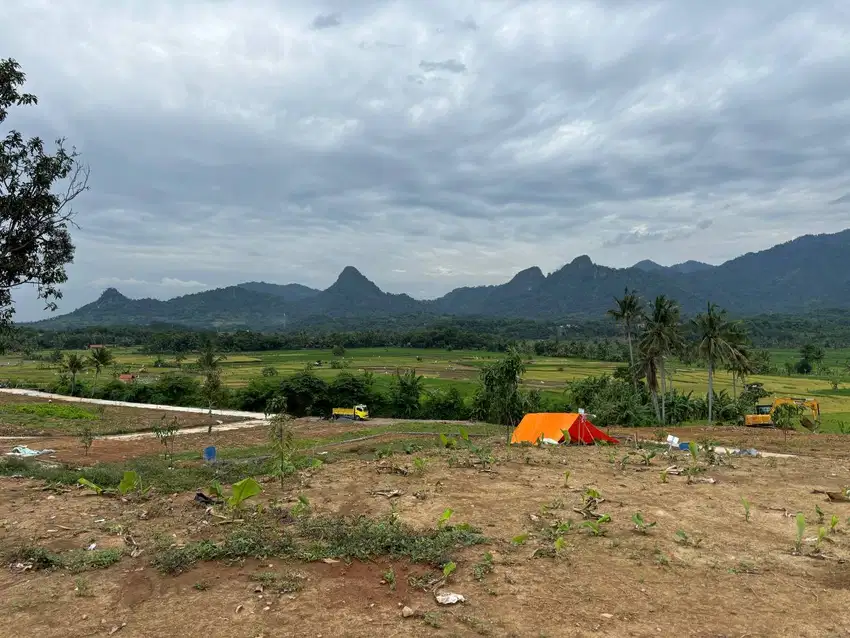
{"x": 763, "y": 416}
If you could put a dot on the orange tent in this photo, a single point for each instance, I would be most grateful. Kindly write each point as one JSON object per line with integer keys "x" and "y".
{"x": 556, "y": 426}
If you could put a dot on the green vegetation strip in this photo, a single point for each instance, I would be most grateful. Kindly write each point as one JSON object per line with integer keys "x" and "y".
{"x": 314, "y": 538}
{"x": 75, "y": 560}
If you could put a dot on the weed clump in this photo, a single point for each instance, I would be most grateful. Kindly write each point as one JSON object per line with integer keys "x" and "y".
{"x": 75, "y": 561}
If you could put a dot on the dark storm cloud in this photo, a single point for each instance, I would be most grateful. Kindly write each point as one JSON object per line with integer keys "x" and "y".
{"x": 325, "y": 21}
{"x": 450, "y": 143}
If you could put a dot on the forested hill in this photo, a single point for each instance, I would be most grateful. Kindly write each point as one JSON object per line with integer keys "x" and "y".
{"x": 806, "y": 275}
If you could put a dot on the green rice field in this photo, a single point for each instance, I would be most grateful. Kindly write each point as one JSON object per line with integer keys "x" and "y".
{"x": 442, "y": 369}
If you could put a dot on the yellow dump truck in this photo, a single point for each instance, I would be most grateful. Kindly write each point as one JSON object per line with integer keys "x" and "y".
{"x": 357, "y": 413}
{"x": 764, "y": 413}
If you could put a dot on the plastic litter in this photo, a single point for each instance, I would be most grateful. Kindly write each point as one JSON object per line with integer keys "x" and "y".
{"x": 449, "y": 598}
{"x": 23, "y": 450}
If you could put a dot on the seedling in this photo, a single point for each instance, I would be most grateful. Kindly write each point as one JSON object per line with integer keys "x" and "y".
{"x": 819, "y": 540}
{"x": 419, "y": 465}
{"x": 97, "y": 489}
{"x": 215, "y": 489}
{"x": 449, "y": 569}
{"x": 833, "y": 523}
{"x": 87, "y": 438}
{"x": 131, "y": 482}
{"x": 444, "y": 518}
{"x": 683, "y": 539}
{"x": 483, "y": 567}
{"x": 165, "y": 433}
{"x": 567, "y": 478}
{"x": 595, "y": 527}
{"x": 559, "y": 545}
{"x": 641, "y": 525}
{"x": 746, "y": 505}
{"x": 302, "y": 506}
{"x": 646, "y": 456}
{"x": 242, "y": 491}
{"x": 801, "y": 529}
{"x": 389, "y": 578}
{"x": 820, "y": 514}
{"x": 447, "y": 442}
{"x": 664, "y": 474}
{"x": 520, "y": 539}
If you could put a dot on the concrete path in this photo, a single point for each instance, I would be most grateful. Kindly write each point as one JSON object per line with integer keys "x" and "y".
{"x": 127, "y": 404}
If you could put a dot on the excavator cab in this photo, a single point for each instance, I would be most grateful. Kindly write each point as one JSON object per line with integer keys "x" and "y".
{"x": 763, "y": 415}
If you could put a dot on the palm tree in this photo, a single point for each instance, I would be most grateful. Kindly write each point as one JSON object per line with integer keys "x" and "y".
{"x": 100, "y": 358}
{"x": 73, "y": 365}
{"x": 661, "y": 338}
{"x": 628, "y": 311}
{"x": 718, "y": 340}
{"x": 741, "y": 364}
{"x": 647, "y": 367}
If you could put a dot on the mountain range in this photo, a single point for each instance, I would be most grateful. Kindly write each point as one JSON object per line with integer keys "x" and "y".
{"x": 805, "y": 275}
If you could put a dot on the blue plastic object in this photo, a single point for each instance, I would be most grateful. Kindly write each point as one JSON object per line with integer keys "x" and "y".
{"x": 684, "y": 446}
{"x": 209, "y": 453}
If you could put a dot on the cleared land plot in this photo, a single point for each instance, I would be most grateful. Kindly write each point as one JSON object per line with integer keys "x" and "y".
{"x": 701, "y": 570}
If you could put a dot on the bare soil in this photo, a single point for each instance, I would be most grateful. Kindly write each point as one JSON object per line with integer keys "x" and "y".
{"x": 731, "y": 578}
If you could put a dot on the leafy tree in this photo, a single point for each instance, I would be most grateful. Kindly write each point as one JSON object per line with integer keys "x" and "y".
{"x": 269, "y": 371}
{"x": 209, "y": 363}
{"x": 628, "y": 311}
{"x": 803, "y": 366}
{"x": 405, "y": 393}
{"x": 338, "y": 351}
{"x": 179, "y": 358}
{"x": 100, "y": 358}
{"x": 812, "y": 353}
{"x": 717, "y": 342}
{"x": 661, "y": 339}
{"x": 36, "y": 193}
{"x": 499, "y": 393}
{"x": 73, "y": 365}
{"x": 306, "y": 394}
{"x": 785, "y": 416}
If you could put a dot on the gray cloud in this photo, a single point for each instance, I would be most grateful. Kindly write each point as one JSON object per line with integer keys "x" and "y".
{"x": 230, "y": 143}
{"x": 325, "y": 21}
{"x": 452, "y": 66}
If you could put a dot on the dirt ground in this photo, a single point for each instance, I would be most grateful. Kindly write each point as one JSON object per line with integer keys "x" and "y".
{"x": 731, "y": 577}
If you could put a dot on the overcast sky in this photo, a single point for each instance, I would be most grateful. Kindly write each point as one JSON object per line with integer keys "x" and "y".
{"x": 432, "y": 144}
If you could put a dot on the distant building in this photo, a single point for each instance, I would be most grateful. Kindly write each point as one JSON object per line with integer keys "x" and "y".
{"x": 127, "y": 378}
{"x": 96, "y": 346}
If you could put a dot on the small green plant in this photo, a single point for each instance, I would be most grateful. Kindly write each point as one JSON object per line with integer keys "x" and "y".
{"x": 820, "y": 514}
{"x": 596, "y": 527}
{"x": 447, "y": 442}
{"x": 82, "y": 587}
{"x": 641, "y": 525}
{"x": 483, "y": 567}
{"x": 215, "y": 489}
{"x": 432, "y": 619}
{"x": 242, "y": 491}
{"x": 132, "y": 482}
{"x": 801, "y": 529}
{"x": 419, "y": 465}
{"x": 86, "y": 438}
{"x": 302, "y": 506}
{"x": 560, "y": 544}
{"x": 746, "y": 505}
{"x": 519, "y": 539}
{"x": 97, "y": 489}
{"x": 389, "y": 578}
{"x": 201, "y": 585}
{"x": 281, "y": 438}
{"x": 664, "y": 474}
{"x": 166, "y": 433}
{"x": 567, "y": 478}
{"x": 449, "y": 569}
{"x": 444, "y": 518}
{"x": 833, "y": 524}
{"x": 683, "y": 539}
{"x": 646, "y": 456}
{"x": 819, "y": 540}
{"x": 279, "y": 583}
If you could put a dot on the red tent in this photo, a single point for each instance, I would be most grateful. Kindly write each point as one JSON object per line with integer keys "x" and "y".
{"x": 556, "y": 426}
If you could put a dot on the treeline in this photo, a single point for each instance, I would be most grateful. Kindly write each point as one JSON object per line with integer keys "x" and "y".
{"x": 495, "y": 335}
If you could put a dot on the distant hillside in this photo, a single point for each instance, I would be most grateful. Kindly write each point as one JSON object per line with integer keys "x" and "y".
{"x": 647, "y": 265}
{"x": 804, "y": 275}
